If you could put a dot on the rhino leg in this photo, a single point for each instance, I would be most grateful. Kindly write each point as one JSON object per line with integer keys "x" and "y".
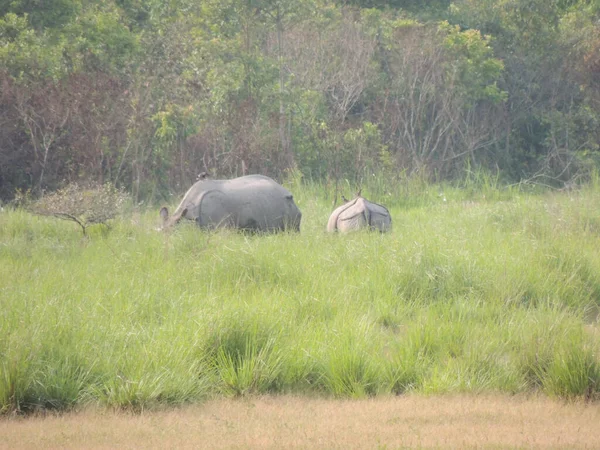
{"x": 379, "y": 222}
{"x": 250, "y": 225}
{"x": 334, "y": 222}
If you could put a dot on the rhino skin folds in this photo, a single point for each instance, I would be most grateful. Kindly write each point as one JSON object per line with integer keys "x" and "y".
{"x": 359, "y": 214}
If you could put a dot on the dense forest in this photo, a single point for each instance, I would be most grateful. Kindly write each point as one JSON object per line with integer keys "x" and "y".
{"x": 147, "y": 94}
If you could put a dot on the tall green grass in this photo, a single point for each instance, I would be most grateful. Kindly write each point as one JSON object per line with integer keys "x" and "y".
{"x": 469, "y": 293}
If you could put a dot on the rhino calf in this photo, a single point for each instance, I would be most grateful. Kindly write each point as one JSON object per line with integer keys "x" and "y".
{"x": 252, "y": 202}
{"x": 358, "y": 214}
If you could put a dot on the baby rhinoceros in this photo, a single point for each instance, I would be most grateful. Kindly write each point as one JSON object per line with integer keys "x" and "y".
{"x": 359, "y": 214}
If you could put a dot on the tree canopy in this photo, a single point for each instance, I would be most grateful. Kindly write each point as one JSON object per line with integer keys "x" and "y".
{"x": 147, "y": 94}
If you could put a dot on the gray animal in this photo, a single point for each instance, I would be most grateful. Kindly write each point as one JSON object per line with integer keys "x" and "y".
{"x": 360, "y": 213}
{"x": 252, "y": 202}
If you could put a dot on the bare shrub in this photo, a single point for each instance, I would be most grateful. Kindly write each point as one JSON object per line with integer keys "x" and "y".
{"x": 83, "y": 205}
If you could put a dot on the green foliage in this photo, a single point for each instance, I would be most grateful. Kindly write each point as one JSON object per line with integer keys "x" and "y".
{"x": 25, "y": 54}
{"x": 15, "y": 382}
{"x": 560, "y": 362}
{"x": 174, "y": 124}
{"x": 356, "y": 155}
{"x": 547, "y": 48}
{"x": 99, "y": 40}
{"x": 573, "y": 374}
{"x": 148, "y": 94}
{"x": 253, "y": 371}
{"x": 350, "y": 370}
{"x": 472, "y": 58}
{"x": 425, "y": 9}
{"x": 246, "y": 356}
{"x": 136, "y": 11}
{"x": 167, "y": 376}
{"x": 43, "y": 14}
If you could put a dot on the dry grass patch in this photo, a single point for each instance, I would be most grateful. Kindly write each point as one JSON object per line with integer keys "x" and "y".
{"x": 292, "y": 422}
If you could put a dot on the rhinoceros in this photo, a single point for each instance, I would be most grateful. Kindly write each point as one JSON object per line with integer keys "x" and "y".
{"x": 252, "y": 202}
{"x": 360, "y": 213}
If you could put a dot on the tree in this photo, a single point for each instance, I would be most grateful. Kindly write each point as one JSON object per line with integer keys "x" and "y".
{"x": 84, "y": 206}
{"x": 538, "y": 42}
{"x": 42, "y": 14}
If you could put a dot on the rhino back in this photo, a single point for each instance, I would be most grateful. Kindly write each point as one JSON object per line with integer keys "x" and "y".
{"x": 359, "y": 213}
{"x": 334, "y": 218}
{"x": 250, "y": 202}
{"x": 353, "y": 217}
{"x": 380, "y": 218}
{"x": 193, "y": 197}
{"x": 260, "y": 203}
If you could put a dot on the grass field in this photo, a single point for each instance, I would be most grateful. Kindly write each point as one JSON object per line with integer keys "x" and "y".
{"x": 490, "y": 291}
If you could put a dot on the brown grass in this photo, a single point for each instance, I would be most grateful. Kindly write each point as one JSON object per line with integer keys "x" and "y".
{"x": 292, "y": 422}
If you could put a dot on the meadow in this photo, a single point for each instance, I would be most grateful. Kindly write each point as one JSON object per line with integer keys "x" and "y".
{"x": 483, "y": 290}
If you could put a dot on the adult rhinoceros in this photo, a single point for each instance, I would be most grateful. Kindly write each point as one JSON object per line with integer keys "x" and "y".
{"x": 358, "y": 214}
{"x": 252, "y": 202}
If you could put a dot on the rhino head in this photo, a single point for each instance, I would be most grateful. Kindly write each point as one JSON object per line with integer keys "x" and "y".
{"x": 168, "y": 222}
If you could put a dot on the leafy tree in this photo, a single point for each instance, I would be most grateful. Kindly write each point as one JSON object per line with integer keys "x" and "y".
{"x": 424, "y": 9}
{"x": 42, "y": 14}
{"x": 28, "y": 56}
{"x": 149, "y": 93}
{"x": 536, "y": 44}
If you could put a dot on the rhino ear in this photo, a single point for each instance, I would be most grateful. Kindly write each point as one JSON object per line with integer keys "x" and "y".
{"x": 164, "y": 213}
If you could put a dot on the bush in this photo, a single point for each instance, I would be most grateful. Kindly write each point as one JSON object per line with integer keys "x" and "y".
{"x": 84, "y": 206}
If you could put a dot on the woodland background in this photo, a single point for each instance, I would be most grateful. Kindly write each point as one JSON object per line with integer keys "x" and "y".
{"x": 147, "y": 94}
